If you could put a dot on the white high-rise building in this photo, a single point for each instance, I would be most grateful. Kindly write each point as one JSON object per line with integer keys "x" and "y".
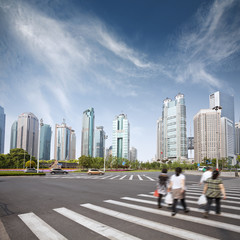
{"x": 133, "y": 154}
{"x": 63, "y": 149}
{"x": 121, "y": 137}
{"x": 27, "y": 133}
{"x": 73, "y": 145}
{"x": 226, "y": 102}
{"x": 171, "y": 130}
{"x": 13, "y": 140}
{"x": 99, "y": 142}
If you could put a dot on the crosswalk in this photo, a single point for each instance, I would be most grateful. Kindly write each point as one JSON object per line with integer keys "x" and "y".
{"x": 144, "y": 220}
{"x": 130, "y": 177}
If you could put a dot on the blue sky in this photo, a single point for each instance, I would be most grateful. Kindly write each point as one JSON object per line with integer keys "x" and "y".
{"x": 58, "y": 58}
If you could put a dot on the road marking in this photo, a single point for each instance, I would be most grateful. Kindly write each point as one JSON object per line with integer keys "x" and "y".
{"x": 40, "y": 228}
{"x": 139, "y": 177}
{"x": 122, "y": 177}
{"x": 194, "y": 202}
{"x": 207, "y": 222}
{"x": 107, "y": 177}
{"x": 174, "y": 231}
{"x": 114, "y": 177}
{"x": 227, "y": 191}
{"x": 149, "y": 178}
{"x": 230, "y": 215}
{"x": 200, "y": 192}
{"x": 3, "y": 233}
{"x": 95, "y": 226}
{"x": 131, "y": 177}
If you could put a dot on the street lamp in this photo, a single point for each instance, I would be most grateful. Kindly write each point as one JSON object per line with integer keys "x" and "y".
{"x": 216, "y": 108}
{"x": 41, "y": 124}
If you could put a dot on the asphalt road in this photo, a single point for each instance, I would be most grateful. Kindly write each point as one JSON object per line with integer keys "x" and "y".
{"x": 55, "y": 199}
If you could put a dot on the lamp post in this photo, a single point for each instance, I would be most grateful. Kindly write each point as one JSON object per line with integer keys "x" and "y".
{"x": 41, "y": 124}
{"x": 216, "y": 108}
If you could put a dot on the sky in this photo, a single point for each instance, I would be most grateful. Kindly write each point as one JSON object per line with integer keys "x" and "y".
{"x": 61, "y": 57}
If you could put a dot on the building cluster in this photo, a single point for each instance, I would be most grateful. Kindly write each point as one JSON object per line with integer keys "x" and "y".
{"x": 34, "y": 137}
{"x": 216, "y": 135}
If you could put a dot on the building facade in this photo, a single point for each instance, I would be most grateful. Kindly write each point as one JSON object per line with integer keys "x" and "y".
{"x": 2, "y": 129}
{"x": 99, "y": 142}
{"x": 172, "y": 130}
{"x": 27, "y": 133}
{"x": 208, "y": 143}
{"x": 159, "y": 155}
{"x": 121, "y": 137}
{"x": 13, "y": 140}
{"x": 73, "y": 145}
{"x": 62, "y": 146}
{"x": 237, "y": 137}
{"x": 133, "y": 154}
{"x": 45, "y": 141}
{"x": 87, "y": 144}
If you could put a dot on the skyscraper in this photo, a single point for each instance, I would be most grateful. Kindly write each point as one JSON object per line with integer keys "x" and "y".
{"x": 87, "y": 144}
{"x": 133, "y": 154}
{"x": 159, "y": 155}
{"x": 226, "y": 102}
{"x": 121, "y": 137}
{"x": 2, "y": 129}
{"x": 62, "y": 148}
{"x": 99, "y": 142}
{"x": 207, "y": 135}
{"x": 172, "y": 132}
{"x": 237, "y": 137}
{"x": 45, "y": 142}
{"x": 13, "y": 141}
{"x": 27, "y": 133}
{"x": 73, "y": 145}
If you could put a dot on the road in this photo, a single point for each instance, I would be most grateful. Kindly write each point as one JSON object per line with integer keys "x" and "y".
{"x": 112, "y": 206}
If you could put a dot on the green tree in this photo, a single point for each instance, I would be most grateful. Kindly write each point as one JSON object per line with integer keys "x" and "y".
{"x": 31, "y": 164}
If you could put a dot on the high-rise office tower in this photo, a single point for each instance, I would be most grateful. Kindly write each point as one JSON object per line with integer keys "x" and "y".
{"x": 63, "y": 137}
{"x": 237, "y": 137}
{"x": 226, "y": 102}
{"x": 87, "y": 144}
{"x": 45, "y": 142}
{"x": 172, "y": 130}
{"x": 133, "y": 154}
{"x": 27, "y": 133}
{"x": 99, "y": 142}
{"x": 13, "y": 140}
{"x": 73, "y": 145}
{"x": 2, "y": 129}
{"x": 208, "y": 142}
{"x": 121, "y": 137}
{"x": 159, "y": 155}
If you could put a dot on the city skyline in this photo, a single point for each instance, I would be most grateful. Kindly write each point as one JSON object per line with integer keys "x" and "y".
{"x": 117, "y": 57}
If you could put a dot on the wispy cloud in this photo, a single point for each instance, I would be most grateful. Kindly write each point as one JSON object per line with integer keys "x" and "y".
{"x": 207, "y": 43}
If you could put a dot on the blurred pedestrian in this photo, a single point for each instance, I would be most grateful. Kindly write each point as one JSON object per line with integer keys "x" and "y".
{"x": 177, "y": 185}
{"x": 207, "y": 174}
{"x": 162, "y": 185}
{"x": 213, "y": 189}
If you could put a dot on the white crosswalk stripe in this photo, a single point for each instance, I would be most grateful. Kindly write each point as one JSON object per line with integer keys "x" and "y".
{"x": 142, "y": 203}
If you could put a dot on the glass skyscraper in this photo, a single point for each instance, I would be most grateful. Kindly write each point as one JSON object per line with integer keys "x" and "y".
{"x": 27, "y": 133}
{"x": 99, "y": 142}
{"x": 62, "y": 148}
{"x": 2, "y": 129}
{"x": 13, "y": 141}
{"x": 121, "y": 137}
{"x": 172, "y": 139}
{"x": 45, "y": 142}
{"x": 87, "y": 145}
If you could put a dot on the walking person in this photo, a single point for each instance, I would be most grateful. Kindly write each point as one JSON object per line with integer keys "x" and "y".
{"x": 213, "y": 189}
{"x": 162, "y": 186}
{"x": 177, "y": 185}
{"x": 207, "y": 174}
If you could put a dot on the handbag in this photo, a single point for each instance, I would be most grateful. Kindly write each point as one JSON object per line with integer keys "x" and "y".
{"x": 169, "y": 198}
{"x": 156, "y": 193}
{"x": 202, "y": 200}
